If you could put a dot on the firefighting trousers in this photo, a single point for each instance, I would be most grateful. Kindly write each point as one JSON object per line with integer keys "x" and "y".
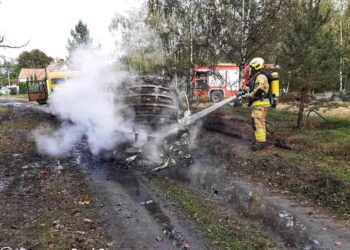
{"x": 258, "y": 123}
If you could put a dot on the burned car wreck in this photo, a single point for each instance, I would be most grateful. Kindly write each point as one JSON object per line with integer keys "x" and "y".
{"x": 154, "y": 107}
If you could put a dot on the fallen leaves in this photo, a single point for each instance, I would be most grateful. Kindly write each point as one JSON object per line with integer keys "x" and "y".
{"x": 159, "y": 238}
{"x": 52, "y": 207}
{"x": 338, "y": 243}
{"x": 86, "y": 200}
{"x": 110, "y": 244}
{"x": 87, "y": 220}
{"x": 186, "y": 245}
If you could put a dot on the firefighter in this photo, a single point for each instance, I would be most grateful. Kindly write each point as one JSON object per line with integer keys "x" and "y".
{"x": 257, "y": 88}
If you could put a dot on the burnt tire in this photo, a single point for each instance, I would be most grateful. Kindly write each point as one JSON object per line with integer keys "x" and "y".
{"x": 216, "y": 96}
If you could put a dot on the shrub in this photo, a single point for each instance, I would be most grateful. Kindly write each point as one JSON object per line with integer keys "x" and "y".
{"x": 23, "y": 88}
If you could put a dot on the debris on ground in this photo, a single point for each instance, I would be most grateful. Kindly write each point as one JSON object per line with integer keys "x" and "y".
{"x": 185, "y": 245}
{"x": 338, "y": 243}
{"x": 159, "y": 238}
{"x": 86, "y": 200}
{"x": 39, "y": 197}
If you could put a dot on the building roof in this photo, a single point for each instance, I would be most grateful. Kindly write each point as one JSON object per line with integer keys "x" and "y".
{"x": 27, "y": 73}
{"x": 56, "y": 65}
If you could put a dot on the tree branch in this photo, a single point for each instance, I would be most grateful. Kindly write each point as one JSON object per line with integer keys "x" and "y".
{"x": 11, "y": 46}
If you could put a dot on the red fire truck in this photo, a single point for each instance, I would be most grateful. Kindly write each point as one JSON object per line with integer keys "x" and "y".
{"x": 215, "y": 82}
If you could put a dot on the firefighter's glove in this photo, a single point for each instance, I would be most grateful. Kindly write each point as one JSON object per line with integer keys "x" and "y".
{"x": 240, "y": 94}
{"x": 246, "y": 89}
{"x": 243, "y": 92}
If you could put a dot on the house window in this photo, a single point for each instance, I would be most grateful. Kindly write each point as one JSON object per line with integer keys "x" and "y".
{"x": 201, "y": 80}
{"x": 35, "y": 87}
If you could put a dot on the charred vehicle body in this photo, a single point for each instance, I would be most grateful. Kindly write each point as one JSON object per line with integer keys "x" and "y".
{"x": 154, "y": 106}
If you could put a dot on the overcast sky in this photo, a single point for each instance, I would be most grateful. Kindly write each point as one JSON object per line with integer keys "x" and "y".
{"x": 47, "y": 23}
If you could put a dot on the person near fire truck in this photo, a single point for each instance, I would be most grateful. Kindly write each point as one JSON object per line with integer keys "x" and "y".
{"x": 256, "y": 88}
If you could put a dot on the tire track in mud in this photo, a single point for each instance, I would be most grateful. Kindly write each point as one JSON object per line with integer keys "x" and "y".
{"x": 135, "y": 217}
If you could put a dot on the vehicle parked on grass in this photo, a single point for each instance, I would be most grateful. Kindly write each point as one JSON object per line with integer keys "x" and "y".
{"x": 5, "y": 91}
{"x": 14, "y": 90}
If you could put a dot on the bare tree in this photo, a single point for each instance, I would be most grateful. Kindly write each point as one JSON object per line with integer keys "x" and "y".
{"x": 139, "y": 46}
{"x": 9, "y": 46}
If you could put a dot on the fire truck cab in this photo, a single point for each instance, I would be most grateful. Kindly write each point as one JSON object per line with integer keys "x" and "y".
{"x": 215, "y": 82}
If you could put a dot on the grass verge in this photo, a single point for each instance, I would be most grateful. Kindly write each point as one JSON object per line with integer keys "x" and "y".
{"x": 221, "y": 228}
{"x": 318, "y": 165}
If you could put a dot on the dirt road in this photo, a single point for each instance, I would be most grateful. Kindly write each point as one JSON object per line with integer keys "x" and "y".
{"x": 83, "y": 202}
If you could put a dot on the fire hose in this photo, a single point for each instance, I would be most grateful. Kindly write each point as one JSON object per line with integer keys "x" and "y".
{"x": 187, "y": 120}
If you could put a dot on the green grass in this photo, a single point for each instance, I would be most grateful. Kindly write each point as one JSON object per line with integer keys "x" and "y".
{"x": 325, "y": 143}
{"x": 339, "y": 168}
{"x": 276, "y": 116}
{"x": 222, "y": 229}
{"x": 325, "y": 138}
{"x": 317, "y": 167}
{"x": 319, "y": 179}
{"x": 331, "y": 137}
{"x": 318, "y": 137}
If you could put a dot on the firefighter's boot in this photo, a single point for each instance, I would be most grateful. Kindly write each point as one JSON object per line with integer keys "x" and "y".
{"x": 258, "y": 145}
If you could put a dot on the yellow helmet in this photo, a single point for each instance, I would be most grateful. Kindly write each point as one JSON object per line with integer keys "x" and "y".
{"x": 257, "y": 63}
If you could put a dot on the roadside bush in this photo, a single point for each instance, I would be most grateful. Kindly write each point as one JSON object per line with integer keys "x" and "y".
{"x": 23, "y": 88}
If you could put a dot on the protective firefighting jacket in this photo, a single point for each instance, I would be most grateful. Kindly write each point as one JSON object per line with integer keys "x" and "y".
{"x": 259, "y": 96}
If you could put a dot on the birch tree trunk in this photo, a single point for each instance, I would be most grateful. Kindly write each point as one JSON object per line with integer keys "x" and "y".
{"x": 303, "y": 95}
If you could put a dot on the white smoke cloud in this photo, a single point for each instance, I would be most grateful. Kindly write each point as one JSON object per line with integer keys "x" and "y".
{"x": 57, "y": 142}
{"x": 88, "y": 106}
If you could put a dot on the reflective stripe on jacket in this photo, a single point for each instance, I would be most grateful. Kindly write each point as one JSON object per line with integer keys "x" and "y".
{"x": 263, "y": 103}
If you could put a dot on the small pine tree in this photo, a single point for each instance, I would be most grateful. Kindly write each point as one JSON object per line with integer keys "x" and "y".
{"x": 305, "y": 47}
{"x": 80, "y": 38}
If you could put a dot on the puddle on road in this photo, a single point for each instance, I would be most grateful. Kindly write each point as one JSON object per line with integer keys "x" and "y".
{"x": 109, "y": 171}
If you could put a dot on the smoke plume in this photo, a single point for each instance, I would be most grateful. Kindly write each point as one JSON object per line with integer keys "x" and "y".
{"x": 87, "y": 106}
